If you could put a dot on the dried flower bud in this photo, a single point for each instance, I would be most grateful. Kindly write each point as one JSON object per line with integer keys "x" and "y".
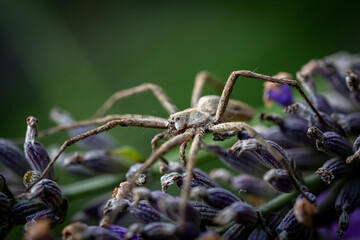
{"x": 120, "y": 231}
{"x": 97, "y": 161}
{"x": 349, "y": 123}
{"x": 142, "y": 178}
{"x": 4, "y": 187}
{"x": 306, "y": 158}
{"x": 207, "y": 213}
{"x": 330, "y": 142}
{"x": 240, "y": 212}
{"x": 114, "y": 209}
{"x": 215, "y": 197}
{"x": 199, "y": 179}
{"x": 48, "y": 192}
{"x": 304, "y": 210}
{"x": 259, "y": 234}
{"x": 5, "y": 207}
{"x": 245, "y": 145}
{"x": 279, "y": 179}
{"x": 248, "y": 162}
{"x": 100, "y": 141}
{"x": 124, "y": 191}
{"x": 23, "y": 209}
{"x": 12, "y": 157}
{"x": 35, "y": 152}
{"x": 80, "y": 231}
{"x": 332, "y": 169}
{"x": 276, "y": 135}
{"x": 290, "y": 226}
{"x": 237, "y": 232}
{"x": 221, "y": 175}
{"x": 253, "y": 186}
{"x": 144, "y": 213}
{"x": 269, "y": 158}
{"x": 152, "y": 231}
{"x": 55, "y": 217}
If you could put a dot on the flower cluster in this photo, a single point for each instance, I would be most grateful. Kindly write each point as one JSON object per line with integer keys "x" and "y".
{"x": 313, "y": 193}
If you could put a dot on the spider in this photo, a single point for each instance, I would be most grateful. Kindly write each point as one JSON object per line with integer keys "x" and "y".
{"x": 208, "y": 114}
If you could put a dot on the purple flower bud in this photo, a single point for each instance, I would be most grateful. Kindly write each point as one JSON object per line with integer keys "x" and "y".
{"x": 120, "y": 231}
{"x": 4, "y": 187}
{"x": 290, "y": 225}
{"x": 114, "y": 209}
{"x": 35, "y": 152}
{"x": 207, "y": 213}
{"x": 330, "y": 142}
{"x": 144, "y": 213}
{"x": 248, "y": 162}
{"x": 321, "y": 104}
{"x": 306, "y": 158}
{"x": 5, "y": 207}
{"x": 215, "y": 197}
{"x": 253, "y": 186}
{"x": 22, "y": 209}
{"x": 200, "y": 179}
{"x": 100, "y": 141}
{"x": 276, "y": 135}
{"x": 237, "y": 232}
{"x": 279, "y": 93}
{"x": 269, "y": 159}
{"x": 240, "y": 212}
{"x": 142, "y": 179}
{"x": 259, "y": 234}
{"x": 55, "y": 217}
{"x": 46, "y": 190}
{"x": 80, "y": 231}
{"x": 333, "y": 169}
{"x": 349, "y": 123}
{"x": 12, "y": 157}
{"x": 279, "y": 180}
{"x": 305, "y": 209}
{"x": 154, "y": 231}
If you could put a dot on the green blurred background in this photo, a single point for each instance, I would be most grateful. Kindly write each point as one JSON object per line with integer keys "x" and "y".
{"x": 75, "y": 54}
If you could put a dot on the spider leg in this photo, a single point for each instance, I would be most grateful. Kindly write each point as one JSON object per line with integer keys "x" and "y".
{"x": 193, "y": 153}
{"x": 182, "y": 149}
{"x": 155, "y": 89}
{"x": 164, "y": 148}
{"x": 200, "y": 80}
{"x": 154, "y": 143}
{"x": 230, "y": 126}
{"x": 248, "y": 74}
{"x": 147, "y": 121}
{"x": 135, "y": 122}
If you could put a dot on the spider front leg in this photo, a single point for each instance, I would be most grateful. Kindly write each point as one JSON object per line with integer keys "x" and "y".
{"x": 154, "y": 143}
{"x": 155, "y": 89}
{"x": 248, "y": 74}
{"x": 239, "y": 126}
{"x": 135, "y": 121}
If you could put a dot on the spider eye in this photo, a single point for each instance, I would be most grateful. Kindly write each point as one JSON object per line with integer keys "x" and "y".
{"x": 177, "y": 118}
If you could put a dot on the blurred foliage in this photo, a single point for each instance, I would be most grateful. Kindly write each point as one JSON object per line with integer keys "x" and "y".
{"x": 75, "y": 54}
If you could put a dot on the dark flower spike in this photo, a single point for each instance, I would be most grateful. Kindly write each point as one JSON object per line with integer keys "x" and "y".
{"x": 46, "y": 190}
{"x": 100, "y": 141}
{"x": 333, "y": 169}
{"x": 274, "y": 92}
{"x": 12, "y": 157}
{"x": 215, "y": 197}
{"x": 346, "y": 202}
{"x": 253, "y": 186}
{"x": 5, "y": 207}
{"x": 146, "y": 214}
{"x": 248, "y": 162}
{"x": 280, "y": 180}
{"x": 24, "y": 208}
{"x": 35, "y": 152}
{"x": 81, "y": 231}
{"x": 207, "y": 213}
{"x": 330, "y": 142}
{"x": 142, "y": 178}
{"x": 239, "y": 212}
{"x": 98, "y": 161}
{"x": 349, "y": 123}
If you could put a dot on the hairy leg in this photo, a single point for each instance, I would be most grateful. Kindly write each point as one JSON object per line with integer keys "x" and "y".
{"x": 182, "y": 149}
{"x": 164, "y": 148}
{"x": 193, "y": 153}
{"x": 154, "y": 143}
{"x": 163, "y": 98}
{"x": 200, "y": 80}
{"x": 248, "y": 74}
{"x": 137, "y": 122}
{"x": 239, "y": 126}
{"x": 142, "y": 120}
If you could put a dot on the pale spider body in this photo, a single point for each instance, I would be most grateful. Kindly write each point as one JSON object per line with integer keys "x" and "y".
{"x": 208, "y": 114}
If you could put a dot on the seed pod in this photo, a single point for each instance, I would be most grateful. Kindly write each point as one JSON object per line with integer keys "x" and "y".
{"x": 207, "y": 213}
{"x": 346, "y": 202}
{"x": 142, "y": 178}
{"x": 237, "y": 232}
{"x": 99, "y": 141}
{"x": 330, "y": 142}
{"x": 46, "y": 190}
{"x": 332, "y": 169}
{"x": 144, "y": 213}
{"x": 98, "y": 161}
{"x": 279, "y": 179}
{"x": 12, "y": 157}
{"x": 215, "y": 197}
{"x": 349, "y": 123}
{"x": 306, "y": 158}
{"x": 81, "y": 231}
{"x": 248, "y": 162}
{"x": 24, "y": 208}
{"x": 240, "y": 212}
{"x": 253, "y": 186}
{"x": 35, "y": 152}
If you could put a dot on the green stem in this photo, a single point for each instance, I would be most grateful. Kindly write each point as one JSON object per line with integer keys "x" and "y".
{"x": 91, "y": 185}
